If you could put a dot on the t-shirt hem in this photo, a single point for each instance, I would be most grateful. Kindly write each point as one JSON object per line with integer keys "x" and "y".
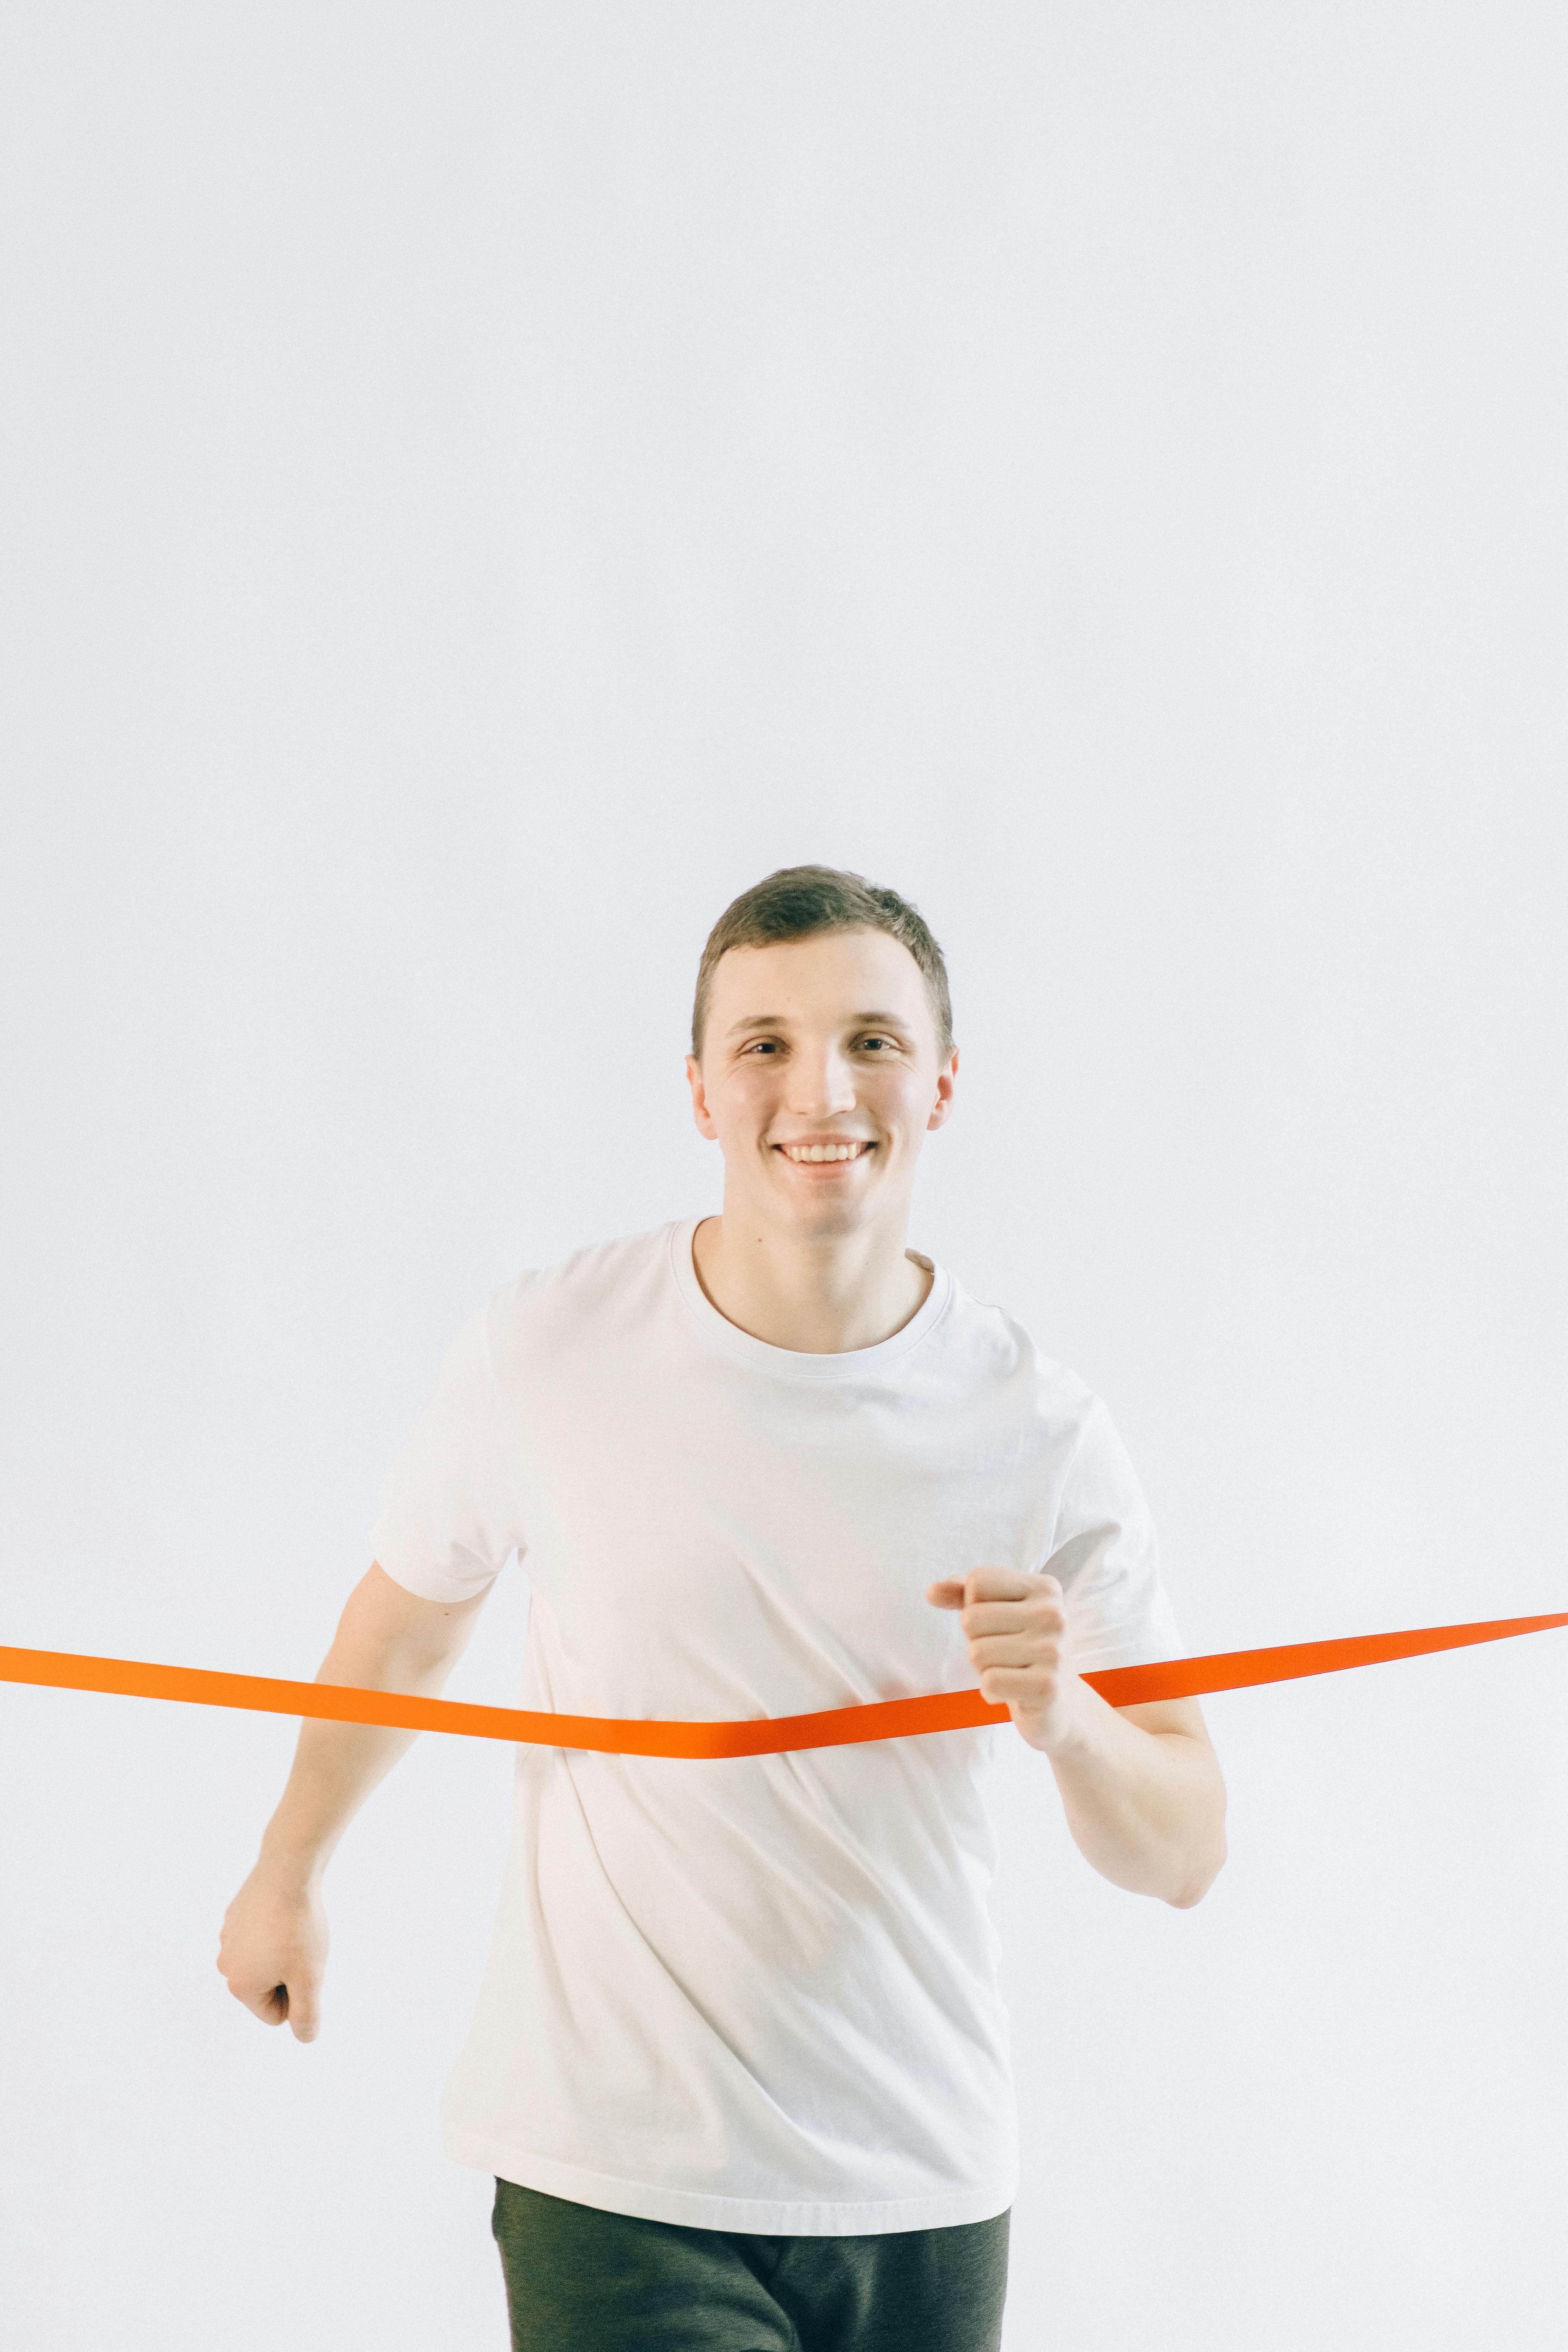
{"x": 647, "y": 2201}
{"x": 426, "y": 1584}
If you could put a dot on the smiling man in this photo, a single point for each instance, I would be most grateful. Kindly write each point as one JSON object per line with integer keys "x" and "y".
{"x": 739, "y": 2065}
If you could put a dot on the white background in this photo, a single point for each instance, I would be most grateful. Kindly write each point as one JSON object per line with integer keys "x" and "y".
{"x": 482, "y": 486}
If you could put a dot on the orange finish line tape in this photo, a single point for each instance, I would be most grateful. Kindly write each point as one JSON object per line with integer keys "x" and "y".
{"x": 839, "y": 1727}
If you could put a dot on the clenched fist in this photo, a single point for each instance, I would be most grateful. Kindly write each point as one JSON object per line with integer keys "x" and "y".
{"x": 1016, "y": 1629}
{"x": 273, "y": 1951}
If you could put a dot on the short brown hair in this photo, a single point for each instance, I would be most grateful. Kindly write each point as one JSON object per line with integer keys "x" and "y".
{"x": 799, "y": 902}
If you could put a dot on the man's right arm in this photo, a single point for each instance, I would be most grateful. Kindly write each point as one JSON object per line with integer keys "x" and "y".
{"x": 273, "y": 1948}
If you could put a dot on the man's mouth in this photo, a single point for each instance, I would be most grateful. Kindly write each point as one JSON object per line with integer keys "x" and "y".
{"x": 852, "y": 1147}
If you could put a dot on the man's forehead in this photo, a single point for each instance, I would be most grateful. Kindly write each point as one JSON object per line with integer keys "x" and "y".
{"x": 823, "y": 961}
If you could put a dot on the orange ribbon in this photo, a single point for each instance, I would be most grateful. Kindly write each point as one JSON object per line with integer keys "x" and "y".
{"x": 838, "y": 1727}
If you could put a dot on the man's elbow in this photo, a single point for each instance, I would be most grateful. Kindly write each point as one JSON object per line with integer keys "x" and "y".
{"x": 1196, "y": 1884}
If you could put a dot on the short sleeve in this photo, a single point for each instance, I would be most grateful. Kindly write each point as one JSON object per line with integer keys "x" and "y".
{"x": 1106, "y": 1558}
{"x": 447, "y": 1508}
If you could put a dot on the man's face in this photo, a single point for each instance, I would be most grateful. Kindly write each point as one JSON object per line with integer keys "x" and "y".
{"x": 819, "y": 1079}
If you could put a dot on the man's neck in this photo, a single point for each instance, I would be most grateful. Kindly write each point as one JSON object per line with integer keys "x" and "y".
{"x": 817, "y": 1298}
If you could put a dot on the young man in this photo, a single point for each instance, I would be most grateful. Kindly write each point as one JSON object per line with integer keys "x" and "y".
{"x": 738, "y": 2066}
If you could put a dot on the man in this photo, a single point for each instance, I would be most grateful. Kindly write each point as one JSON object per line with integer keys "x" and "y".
{"x": 739, "y": 2065}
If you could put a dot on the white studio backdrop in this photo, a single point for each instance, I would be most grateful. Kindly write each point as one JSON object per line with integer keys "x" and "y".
{"x": 481, "y": 486}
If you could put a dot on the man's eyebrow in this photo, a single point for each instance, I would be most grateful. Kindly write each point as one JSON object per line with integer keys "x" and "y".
{"x": 780, "y": 1021}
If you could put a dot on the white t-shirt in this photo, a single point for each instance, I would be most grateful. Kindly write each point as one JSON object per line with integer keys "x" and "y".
{"x": 753, "y": 1993}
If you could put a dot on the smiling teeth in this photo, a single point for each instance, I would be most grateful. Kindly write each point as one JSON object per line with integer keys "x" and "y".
{"x": 823, "y": 1150}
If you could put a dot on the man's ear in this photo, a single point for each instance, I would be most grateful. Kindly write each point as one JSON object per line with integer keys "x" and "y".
{"x": 946, "y": 1078}
{"x": 699, "y": 1111}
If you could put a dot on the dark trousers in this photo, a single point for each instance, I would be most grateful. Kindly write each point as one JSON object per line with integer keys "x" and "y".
{"x": 581, "y": 2281}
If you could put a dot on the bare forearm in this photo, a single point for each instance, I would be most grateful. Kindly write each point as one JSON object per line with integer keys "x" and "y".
{"x": 379, "y": 1645}
{"x": 1141, "y": 1785}
{"x": 1146, "y": 1808}
{"x": 336, "y": 1765}
{"x": 273, "y": 1949}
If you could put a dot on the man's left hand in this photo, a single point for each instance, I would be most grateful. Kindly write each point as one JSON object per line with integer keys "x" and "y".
{"x": 1016, "y": 1629}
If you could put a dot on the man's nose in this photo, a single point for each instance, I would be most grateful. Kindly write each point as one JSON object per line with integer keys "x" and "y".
{"x": 821, "y": 1085}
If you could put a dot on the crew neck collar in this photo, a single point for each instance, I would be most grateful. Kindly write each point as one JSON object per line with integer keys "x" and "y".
{"x": 791, "y": 1363}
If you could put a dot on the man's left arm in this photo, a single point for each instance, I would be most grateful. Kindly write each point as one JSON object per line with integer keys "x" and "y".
{"x": 1141, "y": 1785}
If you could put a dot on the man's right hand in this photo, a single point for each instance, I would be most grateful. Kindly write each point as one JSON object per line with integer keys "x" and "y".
{"x": 272, "y": 1951}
